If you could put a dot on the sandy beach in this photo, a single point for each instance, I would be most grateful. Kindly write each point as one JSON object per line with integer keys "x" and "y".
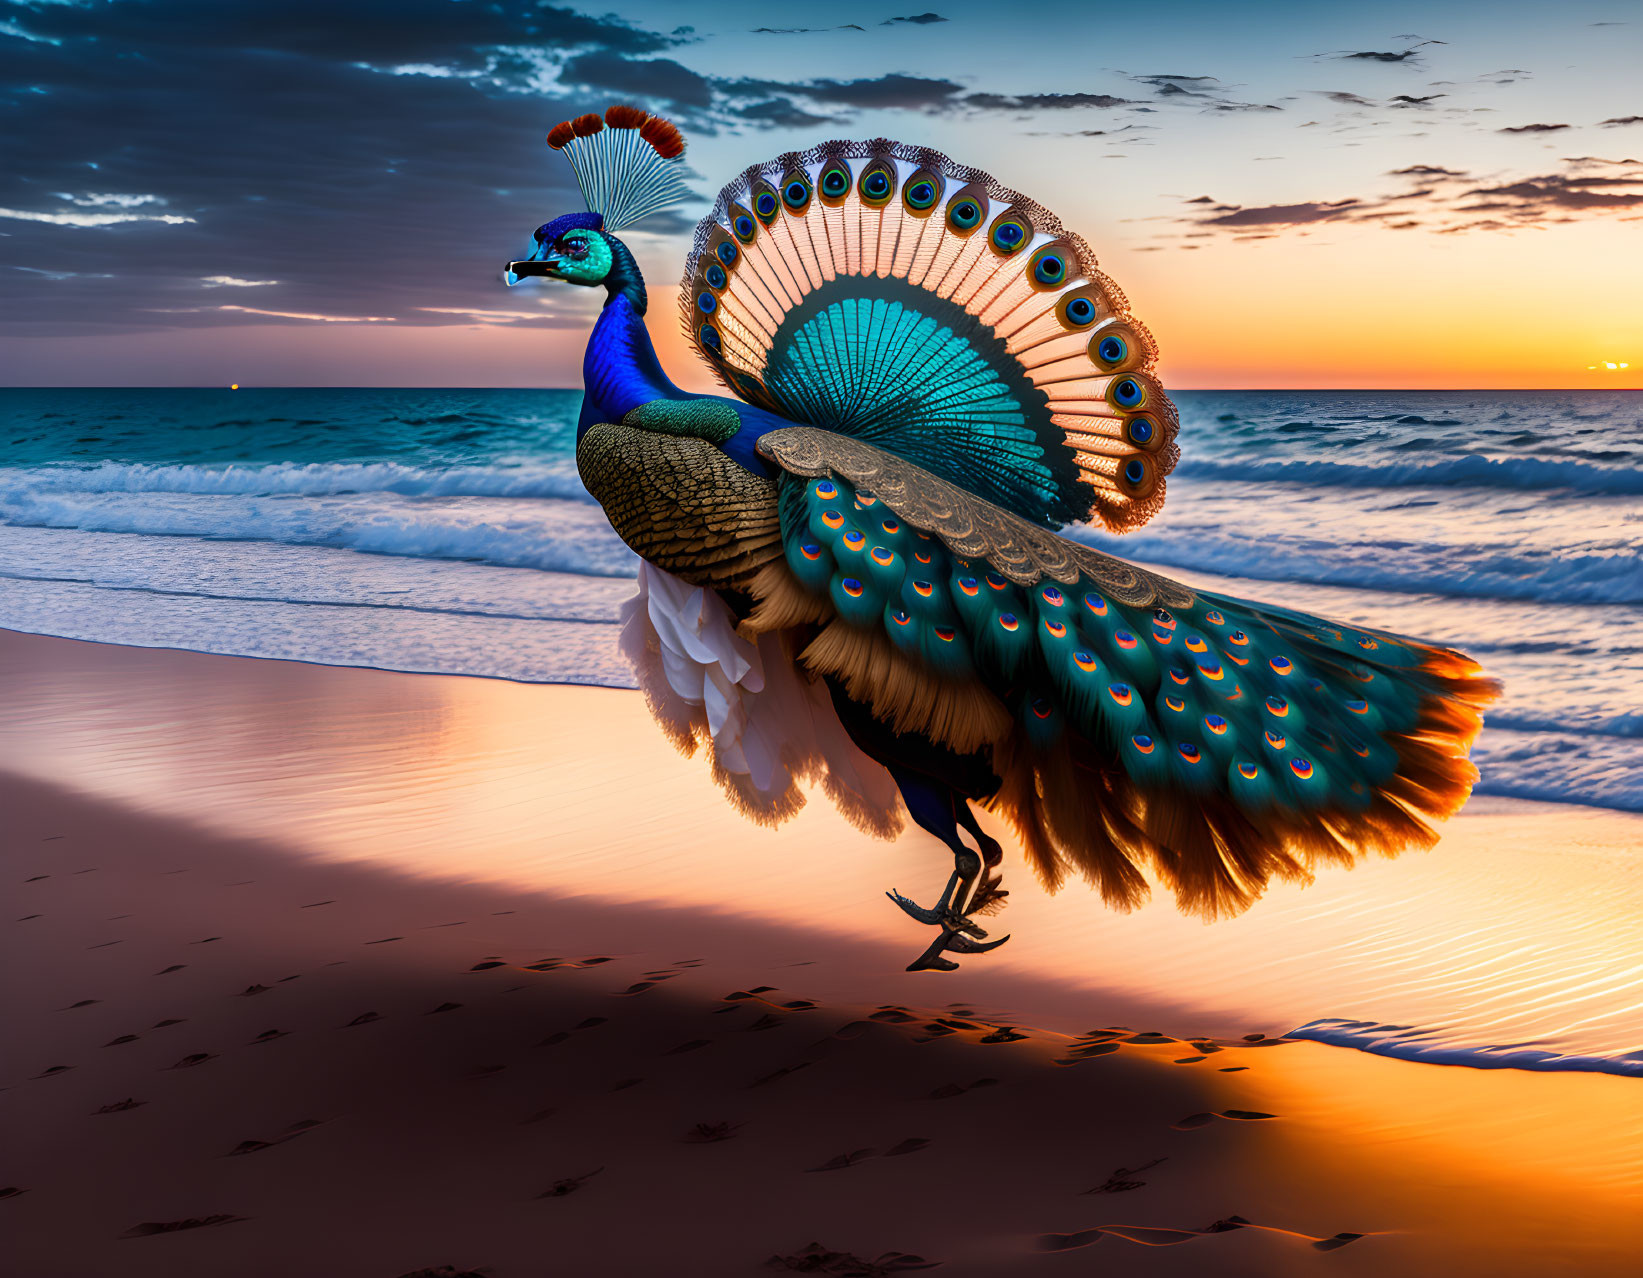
{"x": 343, "y": 972}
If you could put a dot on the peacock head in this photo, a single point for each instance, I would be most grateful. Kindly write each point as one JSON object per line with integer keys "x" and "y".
{"x": 574, "y": 248}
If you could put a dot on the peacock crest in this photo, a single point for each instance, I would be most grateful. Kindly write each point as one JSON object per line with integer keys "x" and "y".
{"x": 628, "y": 163}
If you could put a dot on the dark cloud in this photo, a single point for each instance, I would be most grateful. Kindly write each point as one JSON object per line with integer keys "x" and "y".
{"x": 847, "y": 26}
{"x": 1537, "y": 195}
{"x": 1370, "y": 55}
{"x": 1041, "y": 101}
{"x": 917, "y": 20}
{"x": 654, "y": 79}
{"x": 1204, "y": 90}
{"x": 883, "y": 93}
{"x": 1534, "y": 128}
{"x": 1410, "y": 100}
{"x": 369, "y": 159}
{"x": 1345, "y": 99}
{"x": 1447, "y": 205}
{"x": 1620, "y": 120}
{"x": 1286, "y": 214}
{"x": 779, "y": 113}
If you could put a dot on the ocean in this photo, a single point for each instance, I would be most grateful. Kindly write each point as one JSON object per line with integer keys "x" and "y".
{"x": 446, "y": 531}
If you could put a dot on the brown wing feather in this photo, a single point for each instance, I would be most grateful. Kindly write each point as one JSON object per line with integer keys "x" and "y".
{"x": 682, "y": 503}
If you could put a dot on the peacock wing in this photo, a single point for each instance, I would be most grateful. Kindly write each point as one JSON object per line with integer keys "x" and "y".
{"x": 1133, "y": 722}
{"x": 679, "y": 501}
{"x": 971, "y": 527}
{"x": 881, "y": 291}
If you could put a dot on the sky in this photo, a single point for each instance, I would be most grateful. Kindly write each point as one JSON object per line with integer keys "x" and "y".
{"x": 322, "y": 192}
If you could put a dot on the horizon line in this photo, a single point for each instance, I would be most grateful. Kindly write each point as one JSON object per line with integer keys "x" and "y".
{"x": 1214, "y": 390}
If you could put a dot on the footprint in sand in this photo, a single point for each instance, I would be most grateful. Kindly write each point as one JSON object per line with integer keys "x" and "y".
{"x": 780, "y": 1074}
{"x": 1123, "y": 1179}
{"x": 710, "y": 1133}
{"x": 119, "y": 1107}
{"x": 816, "y": 1259}
{"x": 948, "y": 1090}
{"x": 569, "y": 1185}
{"x": 150, "y": 1228}
{"x": 290, "y": 1133}
{"x": 197, "y": 1058}
{"x": 840, "y": 1161}
{"x": 1194, "y": 1121}
{"x": 447, "y": 1271}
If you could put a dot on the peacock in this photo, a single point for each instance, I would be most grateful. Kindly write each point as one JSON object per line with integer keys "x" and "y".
{"x": 851, "y": 577}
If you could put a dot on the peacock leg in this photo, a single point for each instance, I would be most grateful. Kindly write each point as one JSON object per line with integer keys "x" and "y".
{"x": 936, "y": 808}
{"x": 988, "y": 891}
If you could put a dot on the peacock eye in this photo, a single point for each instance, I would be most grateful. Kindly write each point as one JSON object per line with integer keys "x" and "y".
{"x": 575, "y": 248}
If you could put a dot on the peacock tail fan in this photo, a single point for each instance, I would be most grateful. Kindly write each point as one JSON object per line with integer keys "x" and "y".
{"x": 882, "y": 291}
{"x": 628, "y": 163}
{"x": 1136, "y": 726}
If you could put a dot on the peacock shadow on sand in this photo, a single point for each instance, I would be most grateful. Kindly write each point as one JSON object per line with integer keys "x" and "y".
{"x": 851, "y": 574}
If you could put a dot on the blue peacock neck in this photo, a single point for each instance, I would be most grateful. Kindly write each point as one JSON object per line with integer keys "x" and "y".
{"x": 620, "y": 370}
{"x": 623, "y": 279}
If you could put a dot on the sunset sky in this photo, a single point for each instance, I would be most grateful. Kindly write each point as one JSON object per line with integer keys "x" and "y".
{"x": 322, "y": 192}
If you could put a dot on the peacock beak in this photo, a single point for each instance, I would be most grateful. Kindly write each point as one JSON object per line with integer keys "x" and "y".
{"x": 543, "y": 263}
{"x": 542, "y": 268}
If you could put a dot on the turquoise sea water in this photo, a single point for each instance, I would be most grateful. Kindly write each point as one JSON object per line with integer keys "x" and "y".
{"x": 446, "y": 530}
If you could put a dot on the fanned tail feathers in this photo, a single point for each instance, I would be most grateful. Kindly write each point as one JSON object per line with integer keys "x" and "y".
{"x": 883, "y": 291}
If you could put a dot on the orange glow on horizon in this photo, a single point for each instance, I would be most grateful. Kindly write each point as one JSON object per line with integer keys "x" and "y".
{"x": 1345, "y": 308}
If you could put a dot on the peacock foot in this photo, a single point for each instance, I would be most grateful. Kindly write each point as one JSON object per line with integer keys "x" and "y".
{"x": 960, "y": 934}
{"x": 950, "y": 941}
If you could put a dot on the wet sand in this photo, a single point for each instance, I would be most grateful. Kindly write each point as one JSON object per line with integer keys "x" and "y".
{"x": 247, "y": 1040}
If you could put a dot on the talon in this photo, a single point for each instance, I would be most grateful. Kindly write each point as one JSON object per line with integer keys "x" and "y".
{"x": 914, "y": 910}
{"x": 931, "y": 960}
{"x": 958, "y": 943}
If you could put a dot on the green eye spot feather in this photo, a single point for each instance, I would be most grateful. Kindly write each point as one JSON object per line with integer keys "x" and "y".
{"x": 878, "y": 184}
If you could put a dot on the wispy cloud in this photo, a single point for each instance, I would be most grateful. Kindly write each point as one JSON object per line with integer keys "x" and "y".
{"x": 1445, "y": 201}
{"x": 307, "y": 317}
{"x": 1534, "y": 128}
{"x": 1373, "y": 55}
{"x": 233, "y": 281}
{"x": 92, "y": 219}
{"x": 487, "y": 315}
